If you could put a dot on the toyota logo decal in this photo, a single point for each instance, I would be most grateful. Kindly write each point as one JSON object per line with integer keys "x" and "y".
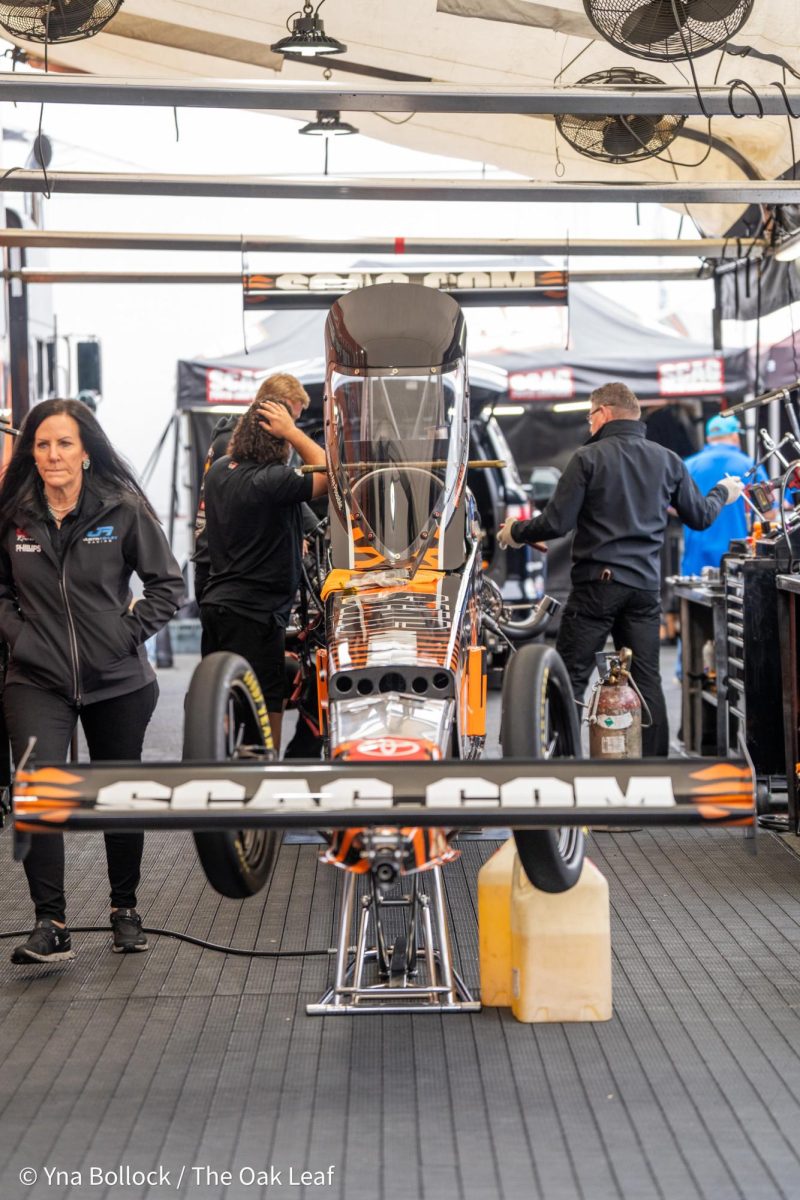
{"x": 388, "y": 747}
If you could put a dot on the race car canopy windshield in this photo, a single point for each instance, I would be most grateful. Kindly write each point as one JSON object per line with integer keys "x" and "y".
{"x": 395, "y": 326}
{"x": 400, "y": 440}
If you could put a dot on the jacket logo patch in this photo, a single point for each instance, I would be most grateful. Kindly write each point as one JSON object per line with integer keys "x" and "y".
{"x": 102, "y": 535}
{"x": 25, "y": 543}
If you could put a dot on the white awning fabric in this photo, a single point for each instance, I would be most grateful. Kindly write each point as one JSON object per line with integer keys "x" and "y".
{"x": 473, "y": 42}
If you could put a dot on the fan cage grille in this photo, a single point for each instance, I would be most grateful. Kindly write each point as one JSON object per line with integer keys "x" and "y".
{"x": 619, "y": 139}
{"x": 53, "y": 21}
{"x": 647, "y": 28}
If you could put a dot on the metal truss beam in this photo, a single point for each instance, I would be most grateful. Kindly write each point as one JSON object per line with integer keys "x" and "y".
{"x": 740, "y": 192}
{"x": 293, "y": 95}
{"x": 723, "y": 248}
{"x": 307, "y": 299}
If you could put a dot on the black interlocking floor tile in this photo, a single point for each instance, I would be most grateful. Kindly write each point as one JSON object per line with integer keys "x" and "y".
{"x": 186, "y": 1058}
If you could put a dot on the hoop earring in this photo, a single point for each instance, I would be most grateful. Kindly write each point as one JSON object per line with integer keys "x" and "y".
{"x": 86, "y": 464}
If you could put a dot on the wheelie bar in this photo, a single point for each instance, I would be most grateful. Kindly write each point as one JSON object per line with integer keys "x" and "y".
{"x": 516, "y": 793}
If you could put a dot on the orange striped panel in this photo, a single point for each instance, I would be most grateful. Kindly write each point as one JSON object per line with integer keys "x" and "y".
{"x": 47, "y": 775}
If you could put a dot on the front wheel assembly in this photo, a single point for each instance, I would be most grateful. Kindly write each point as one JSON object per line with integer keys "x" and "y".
{"x": 540, "y": 721}
{"x": 226, "y": 719}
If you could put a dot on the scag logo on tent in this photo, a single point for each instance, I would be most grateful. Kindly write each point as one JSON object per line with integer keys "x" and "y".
{"x": 694, "y": 377}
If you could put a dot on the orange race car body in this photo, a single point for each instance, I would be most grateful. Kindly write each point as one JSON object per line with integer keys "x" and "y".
{"x": 401, "y": 606}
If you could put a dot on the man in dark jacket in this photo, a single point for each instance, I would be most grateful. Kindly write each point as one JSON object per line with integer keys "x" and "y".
{"x": 615, "y": 493}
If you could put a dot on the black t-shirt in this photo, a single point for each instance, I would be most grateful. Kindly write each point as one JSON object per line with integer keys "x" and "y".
{"x": 255, "y": 532}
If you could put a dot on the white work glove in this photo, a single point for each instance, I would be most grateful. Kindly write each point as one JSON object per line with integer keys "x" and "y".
{"x": 504, "y": 538}
{"x": 733, "y": 488}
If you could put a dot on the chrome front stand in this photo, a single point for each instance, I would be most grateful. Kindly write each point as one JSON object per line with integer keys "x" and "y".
{"x": 414, "y": 973}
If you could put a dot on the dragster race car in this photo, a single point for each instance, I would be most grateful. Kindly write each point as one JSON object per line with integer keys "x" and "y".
{"x": 395, "y": 636}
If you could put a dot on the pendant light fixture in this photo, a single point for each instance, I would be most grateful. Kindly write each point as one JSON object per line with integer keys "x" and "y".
{"x": 307, "y": 34}
{"x": 328, "y": 124}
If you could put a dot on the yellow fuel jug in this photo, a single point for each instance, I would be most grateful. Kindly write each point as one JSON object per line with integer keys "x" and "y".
{"x": 494, "y": 925}
{"x": 561, "y": 949}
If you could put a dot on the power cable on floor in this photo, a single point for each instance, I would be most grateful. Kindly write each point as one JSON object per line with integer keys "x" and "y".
{"x": 193, "y": 941}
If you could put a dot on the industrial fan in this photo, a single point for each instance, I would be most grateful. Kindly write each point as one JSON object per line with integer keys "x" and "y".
{"x": 668, "y": 29}
{"x": 54, "y": 21}
{"x": 618, "y": 138}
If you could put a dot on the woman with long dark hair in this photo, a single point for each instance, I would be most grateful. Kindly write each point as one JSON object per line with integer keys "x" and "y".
{"x": 74, "y": 527}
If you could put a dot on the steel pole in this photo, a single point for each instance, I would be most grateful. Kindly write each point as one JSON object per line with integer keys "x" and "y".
{"x": 510, "y": 295}
{"x": 293, "y": 95}
{"x": 747, "y": 191}
{"x": 723, "y": 248}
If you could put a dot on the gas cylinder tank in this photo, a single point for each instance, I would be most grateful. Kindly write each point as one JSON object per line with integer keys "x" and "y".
{"x": 615, "y": 710}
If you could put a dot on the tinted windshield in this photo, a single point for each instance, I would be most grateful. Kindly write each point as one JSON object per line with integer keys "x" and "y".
{"x": 400, "y": 440}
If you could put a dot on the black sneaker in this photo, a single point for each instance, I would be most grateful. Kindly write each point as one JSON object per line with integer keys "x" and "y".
{"x": 128, "y": 935}
{"x": 48, "y": 943}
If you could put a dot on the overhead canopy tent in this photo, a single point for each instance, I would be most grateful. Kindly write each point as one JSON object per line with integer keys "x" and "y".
{"x": 607, "y": 342}
{"x": 211, "y": 388}
{"x": 527, "y": 43}
{"x": 292, "y": 342}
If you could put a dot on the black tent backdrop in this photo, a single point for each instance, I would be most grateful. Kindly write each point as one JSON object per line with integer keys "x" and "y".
{"x": 209, "y": 387}
{"x": 607, "y": 342}
{"x": 293, "y": 342}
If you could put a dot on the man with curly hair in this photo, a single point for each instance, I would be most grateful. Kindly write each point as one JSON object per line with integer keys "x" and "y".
{"x": 254, "y": 529}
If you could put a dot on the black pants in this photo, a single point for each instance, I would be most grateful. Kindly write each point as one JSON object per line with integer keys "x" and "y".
{"x": 114, "y": 730}
{"x": 261, "y": 643}
{"x": 633, "y": 618}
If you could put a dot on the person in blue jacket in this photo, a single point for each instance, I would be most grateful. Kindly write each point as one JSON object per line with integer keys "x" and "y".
{"x": 722, "y": 455}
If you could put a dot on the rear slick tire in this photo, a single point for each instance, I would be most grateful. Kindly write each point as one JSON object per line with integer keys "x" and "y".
{"x": 538, "y": 706}
{"x": 225, "y": 710}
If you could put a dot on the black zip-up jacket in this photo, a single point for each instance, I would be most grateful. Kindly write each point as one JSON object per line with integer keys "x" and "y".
{"x": 68, "y": 618}
{"x": 615, "y": 493}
